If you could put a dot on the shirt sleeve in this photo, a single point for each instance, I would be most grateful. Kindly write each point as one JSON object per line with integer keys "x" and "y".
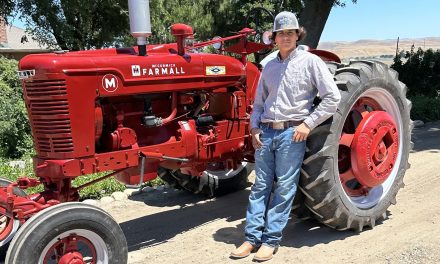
{"x": 258, "y": 106}
{"x": 329, "y": 93}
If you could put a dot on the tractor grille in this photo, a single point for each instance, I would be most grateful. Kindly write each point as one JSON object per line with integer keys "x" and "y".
{"x": 49, "y": 113}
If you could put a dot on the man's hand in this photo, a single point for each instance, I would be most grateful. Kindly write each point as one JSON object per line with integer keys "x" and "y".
{"x": 256, "y": 142}
{"x": 301, "y": 133}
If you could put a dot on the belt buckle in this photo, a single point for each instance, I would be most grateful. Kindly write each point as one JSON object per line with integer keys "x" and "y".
{"x": 278, "y": 125}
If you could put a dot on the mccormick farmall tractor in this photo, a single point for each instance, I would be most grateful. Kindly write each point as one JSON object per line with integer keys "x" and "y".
{"x": 171, "y": 111}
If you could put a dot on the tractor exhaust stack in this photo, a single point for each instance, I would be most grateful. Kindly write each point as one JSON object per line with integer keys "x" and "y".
{"x": 140, "y": 24}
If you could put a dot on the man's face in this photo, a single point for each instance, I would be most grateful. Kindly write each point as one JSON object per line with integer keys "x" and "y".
{"x": 286, "y": 39}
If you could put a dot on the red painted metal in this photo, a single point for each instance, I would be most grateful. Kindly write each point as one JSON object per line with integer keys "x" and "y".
{"x": 374, "y": 148}
{"x": 173, "y": 110}
{"x": 368, "y": 147}
{"x": 181, "y": 32}
{"x": 65, "y": 251}
{"x": 21, "y": 208}
{"x": 325, "y": 55}
{"x": 98, "y": 122}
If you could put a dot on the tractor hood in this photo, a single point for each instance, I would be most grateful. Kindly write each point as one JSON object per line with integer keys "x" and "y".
{"x": 123, "y": 71}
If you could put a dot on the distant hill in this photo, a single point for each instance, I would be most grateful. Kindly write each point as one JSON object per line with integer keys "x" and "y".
{"x": 372, "y": 48}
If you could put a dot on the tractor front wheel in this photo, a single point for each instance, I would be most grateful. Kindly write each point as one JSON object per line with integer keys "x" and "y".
{"x": 69, "y": 233}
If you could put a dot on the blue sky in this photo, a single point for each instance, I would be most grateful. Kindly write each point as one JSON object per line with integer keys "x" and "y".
{"x": 378, "y": 19}
{"x": 383, "y": 19}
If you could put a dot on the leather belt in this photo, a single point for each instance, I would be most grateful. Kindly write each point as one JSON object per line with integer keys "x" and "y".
{"x": 283, "y": 125}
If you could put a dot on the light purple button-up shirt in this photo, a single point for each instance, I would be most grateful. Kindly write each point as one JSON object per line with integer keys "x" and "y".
{"x": 287, "y": 88}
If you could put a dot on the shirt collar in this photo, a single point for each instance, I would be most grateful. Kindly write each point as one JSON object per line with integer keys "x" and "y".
{"x": 291, "y": 55}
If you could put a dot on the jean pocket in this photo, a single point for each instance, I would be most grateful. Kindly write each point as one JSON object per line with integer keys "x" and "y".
{"x": 292, "y": 133}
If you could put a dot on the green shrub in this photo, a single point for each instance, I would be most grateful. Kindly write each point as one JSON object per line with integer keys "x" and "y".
{"x": 425, "y": 108}
{"x": 15, "y": 132}
{"x": 420, "y": 71}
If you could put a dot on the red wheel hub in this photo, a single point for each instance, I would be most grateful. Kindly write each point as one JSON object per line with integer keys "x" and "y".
{"x": 67, "y": 251}
{"x": 374, "y": 148}
{"x": 72, "y": 258}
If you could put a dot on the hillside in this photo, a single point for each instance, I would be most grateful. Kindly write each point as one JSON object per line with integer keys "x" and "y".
{"x": 372, "y": 48}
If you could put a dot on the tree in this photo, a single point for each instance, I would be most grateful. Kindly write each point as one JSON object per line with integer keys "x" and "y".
{"x": 197, "y": 14}
{"x": 313, "y": 17}
{"x": 312, "y": 14}
{"x": 15, "y": 132}
{"x": 6, "y": 8}
{"x": 420, "y": 71}
{"x": 72, "y": 24}
{"x": 81, "y": 24}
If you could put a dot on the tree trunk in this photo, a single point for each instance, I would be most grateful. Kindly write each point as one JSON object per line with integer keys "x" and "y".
{"x": 313, "y": 18}
{"x": 53, "y": 22}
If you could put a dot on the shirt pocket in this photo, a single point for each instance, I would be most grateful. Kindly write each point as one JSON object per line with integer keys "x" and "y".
{"x": 296, "y": 80}
{"x": 294, "y": 73}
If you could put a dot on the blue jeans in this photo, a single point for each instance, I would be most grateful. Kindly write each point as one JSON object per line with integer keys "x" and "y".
{"x": 279, "y": 159}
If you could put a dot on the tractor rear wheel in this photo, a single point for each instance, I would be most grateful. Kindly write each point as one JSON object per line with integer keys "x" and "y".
{"x": 69, "y": 233}
{"x": 213, "y": 182}
{"x": 8, "y": 225}
{"x": 355, "y": 162}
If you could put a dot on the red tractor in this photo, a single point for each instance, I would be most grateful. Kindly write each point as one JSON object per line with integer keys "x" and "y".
{"x": 172, "y": 111}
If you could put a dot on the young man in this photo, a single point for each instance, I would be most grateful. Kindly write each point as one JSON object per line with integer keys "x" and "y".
{"x": 281, "y": 120}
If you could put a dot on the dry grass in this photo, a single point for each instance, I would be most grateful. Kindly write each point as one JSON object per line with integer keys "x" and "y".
{"x": 370, "y": 48}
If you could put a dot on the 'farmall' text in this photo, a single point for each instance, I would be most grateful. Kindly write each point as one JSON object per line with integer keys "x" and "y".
{"x": 157, "y": 69}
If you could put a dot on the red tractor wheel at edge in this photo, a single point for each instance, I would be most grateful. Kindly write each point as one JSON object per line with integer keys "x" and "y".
{"x": 355, "y": 161}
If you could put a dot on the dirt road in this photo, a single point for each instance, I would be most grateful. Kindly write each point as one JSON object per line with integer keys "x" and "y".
{"x": 167, "y": 226}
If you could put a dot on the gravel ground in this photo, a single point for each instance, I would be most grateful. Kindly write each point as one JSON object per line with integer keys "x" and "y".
{"x": 165, "y": 225}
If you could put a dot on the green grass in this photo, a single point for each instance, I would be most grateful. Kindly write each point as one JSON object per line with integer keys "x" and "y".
{"x": 13, "y": 173}
{"x": 99, "y": 189}
{"x": 94, "y": 191}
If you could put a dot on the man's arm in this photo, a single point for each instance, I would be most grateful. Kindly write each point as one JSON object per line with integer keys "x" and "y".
{"x": 258, "y": 105}
{"x": 328, "y": 92}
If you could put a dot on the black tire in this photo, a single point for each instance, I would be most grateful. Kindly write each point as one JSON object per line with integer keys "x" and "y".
{"x": 4, "y": 242}
{"x": 210, "y": 183}
{"x": 35, "y": 239}
{"x": 341, "y": 206}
